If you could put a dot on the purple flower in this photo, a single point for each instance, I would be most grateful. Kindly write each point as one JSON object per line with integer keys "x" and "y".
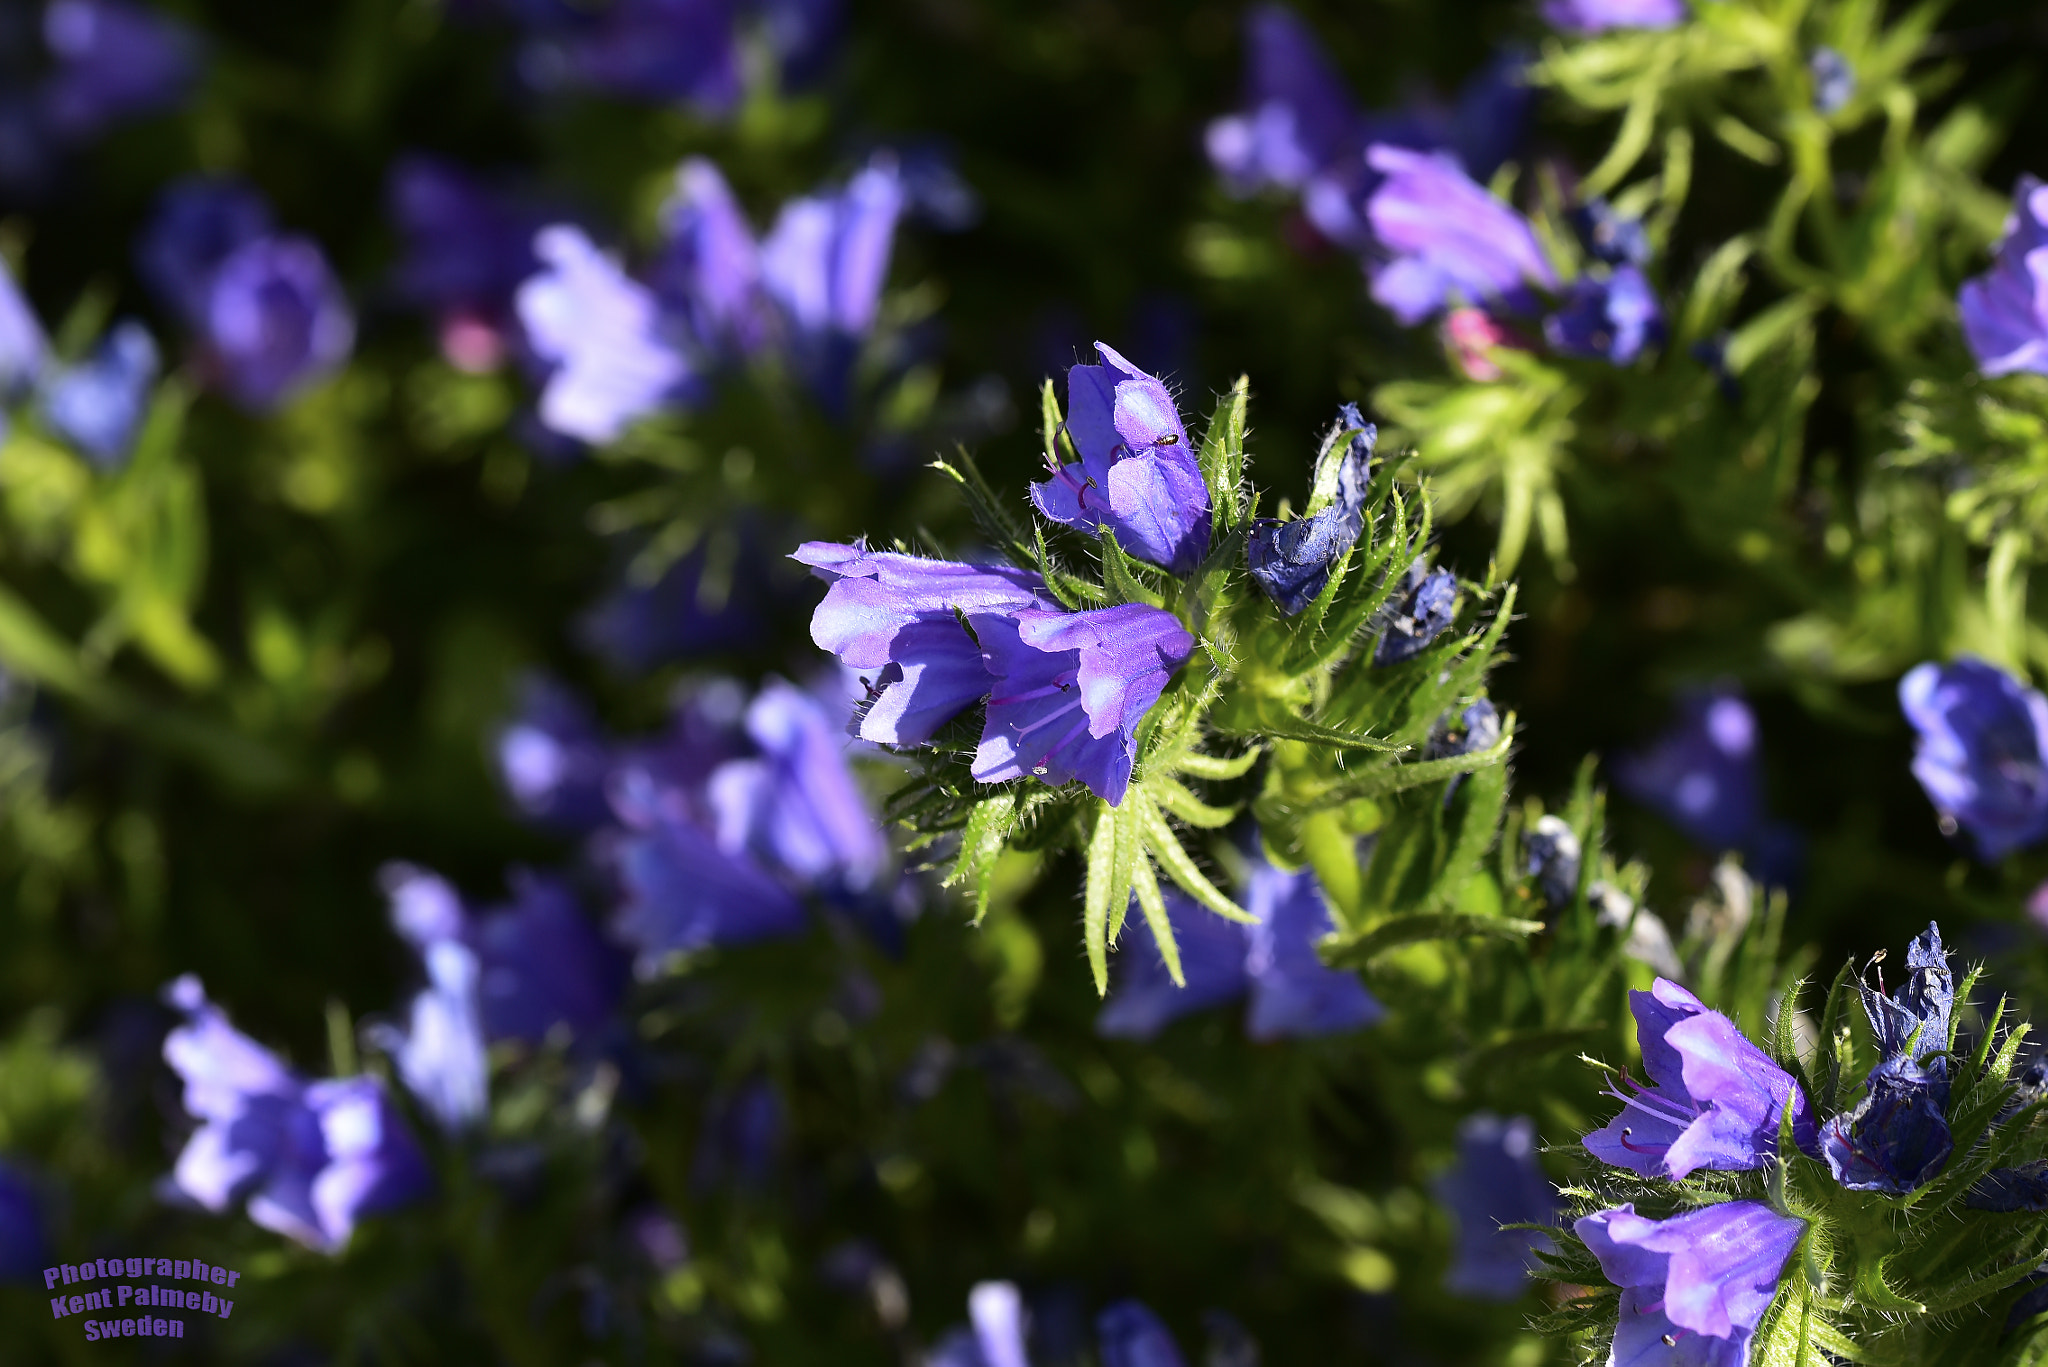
{"x": 1834, "y": 80}
{"x": 553, "y": 760}
{"x": 823, "y": 266}
{"x": 709, "y": 270}
{"x": 1132, "y": 1336}
{"x": 276, "y": 320}
{"x": 1983, "y": 751}
{"x": 1607, "y": 318}
{"x": 2005, "y": 310}
{"x": 803, "y": 35}
{"x": 1692, "y": 1287}
{"x": 600, "y": 331}
{"x": 112, "y": 61}
{"x": 1448, "y": 239}
{"x": 1714, "y": 1099}
{"x": 1551, "y": 856}
{"x": 795, "y": 806}
{"x": 996, "y": 1311}
{"x": 24, "y": 351}
{"x": 660, "y": 50}
{"x": 24, "y": 1238}
{"x": 1701, "y": 775}
{"x": 1422, "y": 611}
{"x": 544, "y": 965}
{"x": 1897, "y": 1139}
{"x": 1294, "y": 994}
{"x": 467, "y": 245}
{"x": 1070, "y": 689}
{"x": 98, "y": 404}
{"x": 1496, "y": 1181}
{"x": 1136, "y": 475}
{"x": 197, "y": 226}
{"x": 2011, "y": 1190}
{"x": 440, "y": 1052}
{"x": 1475, "y": 728}
{"x": 683, "y": 893}
{"x": 1610, "y": 235}
{"x": 1293, "y": 561}
{"x": 896, "y": 614}
{"x": 1597, "y": 16}
{"x": 1212, "y": 960}
{"x": 311, "y": 1158}
{"x": 1298, "y": 117}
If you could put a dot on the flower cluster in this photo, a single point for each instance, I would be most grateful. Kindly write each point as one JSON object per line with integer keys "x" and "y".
{"x": 94, "y": 403}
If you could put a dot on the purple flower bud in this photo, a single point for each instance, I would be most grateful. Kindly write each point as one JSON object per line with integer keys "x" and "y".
{"x": 2002, "y": 312}
{"x": 1834, "y": 80}
{"x": 896, "y": 614}
{"x": 1897, "y": 1139}
{"x": 276, "y": 320}
{"x": 467, "y": 245}
{"x": 440, "y": 1052}
{"x": 24, "y": 351}
{"x": 1496, "y": 1181}
{"x": 823, "y": 266}
{"x": 1983, "y": 751}
{"x": 796, "y": 807}
{"x": 1597, "y": 16}
{"x": 197, "y": 226}
{"x": 1475, "y": 728}
{"x": 1714, "y": 1099}
{"x": 1707, "y": 1274}
{"x": 1294, "y": 994}
{"x": 1608, "y": 318}
{"x": 1610, "y": 235}
{"x": 1137, "y": 475}
{"x": 24, "y": 1236}
{"x": 544, "y": 965}
{"x": 1298, "y": 116}
{"x": 1070, "y": 690}
{"x": 1449, "y": 240}
{"x": 98, "y": 405}
{"x": 709, "y": 269}
{"x": 553, "y": 760}
{"x": 600, "y": 331}
{"x": 1293, "y": 561}
{"x": 2011, "y": 1190}
{"x": 1701, "y": 775}
{"x": 1132, "y": 1336}
{"x": 112, "y": 61}
{"x": 1552, "y": 857}
{"x": 1145, "y": 1000}
{"x": 1422, "y": 611}
{"x": 996, "y": 1311}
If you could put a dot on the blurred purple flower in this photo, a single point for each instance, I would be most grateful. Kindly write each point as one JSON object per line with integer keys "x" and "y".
{"x": 996, "y": 1312}
{"x": 1607, "y": 318}
{"x": 1448, "y": 239}
{"x": 724, "y": 596}
{"x": 1701, "y": 775}
{"x": 311, "y": 1158}
{"x": 709, "y": 269}
{"x": 1551, "y": 856}
{"x": 1298, "y": 117}
{"x": 1710, "y": 1272}
{"x": 1132, "y": 1336}
{"x": 1597, "y": 16}
{"x": 544, "y": 965}
{"x": 895, "y": 614}
{"x": 1834, "y": 80}
{"x": 1422, "y": 611}
{"x": 1982, "y": 753}
{"x": 1144, "y": 1000}
{"x": 197, "y": 226}
{"x": 2005, "y": 310}
{"x": 796, "y": 806}
{"x": 1897, "y": 1139}
{"x": 682, "y": 892}
{"x": 601, "y": 333}
{"x": 803, "y": 34}
{"x": 440, "y": 1052}
{"x": 1609, "y": 235}
{"x": 24, "y": 1235}
{"x": 1292, "y": 561}
{"x": 683, "y": 51}
{"x": 24, "y": 350}
{"x": 1294, "y": 994}
{"x": 1070, "y": 690}
{"x": 467, "y": 248}
{"x": 743, "y": 1135}
{"x": 276, "y": 320}
{"x": 553, "y": 760}
{"x": 1136, "y": 474}
{"x": 98, "y": 404}
{"x": 1714, "y": 1099}
{"x": 1496, "y": 1181}
{"x": 109, "y": 61}
{"x": 824, "y": 264}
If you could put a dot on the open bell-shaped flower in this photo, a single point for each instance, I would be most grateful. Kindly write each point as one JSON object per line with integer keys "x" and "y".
{"x": 1693, "y": 1287}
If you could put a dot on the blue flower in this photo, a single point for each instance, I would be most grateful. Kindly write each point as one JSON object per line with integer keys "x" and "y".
{"x": 98, "y": 404}
{"x": 197, "y": 226}
{"x": 1597, "y": 16}
{"x": 544, "y": 965}
{"x": 1448, "y": 240}
{"x": 553, "y": 760}
{"x": 24, "y": 1237}
{"x": 440, "y": 1052}
{"x": 1136, "y": 475}
{"x": 1610, "y": 235}
{"x": 681, "y": 892}
{"x": 1897, "y": 1138}
{"x": 1293, "y": 561}
{"x": 1070, "y": 689}
{"x": 276, "y": 320}
{"x": 1298, "y": 117}
{"x": 1551, "y": 856}
{"x": 1607, "y": 318}
{"x": 1144, "y": 1000}
{"x": 601, "y": 334}
{"x": 1132, "y": 1336}
{"x": 1496, "y": 1181}
{"x": 1701, "y": 775}
{"x": 1295, "y": 995}
{"x": 1834, "y": 80}
{"x": 111, "y": 61}
{"x": 24, "y": 351}
{"x": 1422, "y": 610}
{"x": 709, "y": 269}
{"x": 2002, "y": 312}
{"x": 1714, "y": 1101}
{"x": 1692, "y": 1287}
{"x": 1983, "y": 751}
{"x": 896, "y": 614}
{"x": 823, "y": 266}
{"x": 796, "y": 806}
{"x": 311, "y": 1158}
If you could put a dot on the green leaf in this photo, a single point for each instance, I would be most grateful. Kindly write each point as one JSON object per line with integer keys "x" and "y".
{"x": 1386, "y": 779}
{"x": 1120, "y": 576}
{"x": 1095, "y": 899}
{"x": 1298, "y": 728}
{"x": 1218, "y": 767}
{"x": 1361, "y": 949}
{"x": 981, "y": 846}
{"x": 1160, "y": 841}
{"x": 1154, "y": 906}
{"x": 1074, "y": 593}
{"x": 1001, "y": 527}
{"x": 1178, "y": 800}
{"x": 1222, "y": 455}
